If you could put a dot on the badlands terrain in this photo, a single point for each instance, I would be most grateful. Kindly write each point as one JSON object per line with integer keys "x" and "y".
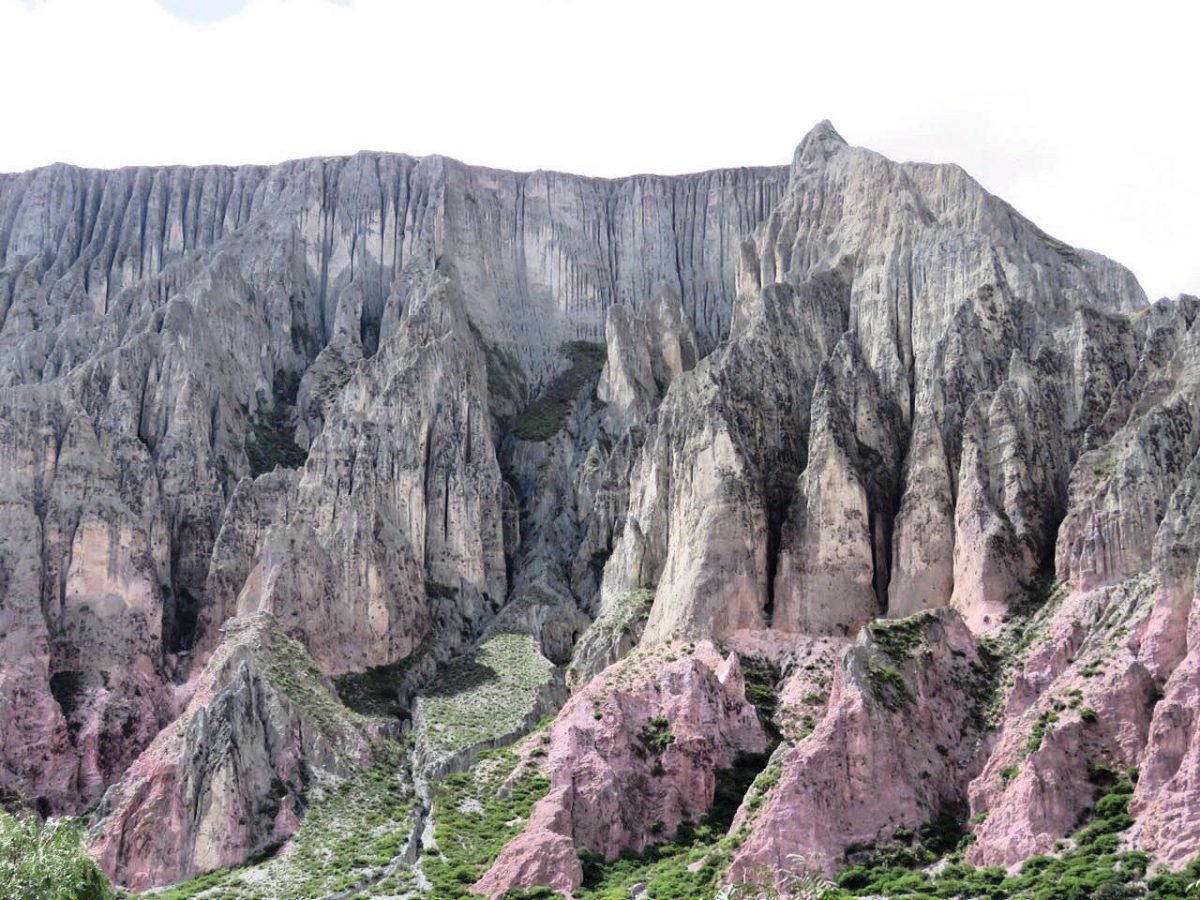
{"x": 390, "y": 527}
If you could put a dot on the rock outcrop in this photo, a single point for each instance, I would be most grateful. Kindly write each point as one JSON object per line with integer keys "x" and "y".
{"x": 227, "y": 777}
{"x": 474, "y": 439}
{"x": 631, "y": 757}
{"x": 894, "y": 749}
{"x": 772, "y": 485}
{"x": 401, "y": 491}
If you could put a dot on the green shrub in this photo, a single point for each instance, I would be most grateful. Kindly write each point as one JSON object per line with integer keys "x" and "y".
{"x": 899, "y": 637}
{"x": 1044, "y": 720}
{"x": 888, "y": 686}
{"x": 657, "y": 735}
{"x": 1092, "y": 867}
{"x": 761, "y": 676}
{"x": 435, "y": 590}
{"x": 473, "y": 820}
{"x": 544, "y": 418}
{"x": 46, "y": 860}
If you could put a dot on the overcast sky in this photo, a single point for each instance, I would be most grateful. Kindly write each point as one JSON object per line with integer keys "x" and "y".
{"x": 1087, "y": 120}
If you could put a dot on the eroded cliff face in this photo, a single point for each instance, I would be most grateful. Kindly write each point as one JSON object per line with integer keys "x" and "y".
{"x": 901, "y": 733}
{"x": 450, "y": 432}
{"x": 167, "y": 335}
{"x": 630, "y": 758}
{"x": 228, "y": 777}
{"x": 881, "y": 307}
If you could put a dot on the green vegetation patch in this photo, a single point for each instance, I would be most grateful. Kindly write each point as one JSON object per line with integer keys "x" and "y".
{"x": 435, "y": 590}
{"x": 273, "y": 443}
{"x": 1105, "y": 468}
{"x": 1038, "y": 734}
{"x": 504, "y": 373}
{"x": 505, "y": 376}
{"x": 351, "y": 838}
{"x": 544, "y": 418}
{"x": 484, "y": 696}
{"x": 1002, "y": 654}
{"x": 47, "y": 860}
{"x": 1091, "y": 866}
{"x": 291, "y": 670}
{"x": 888, "y": 685}
{"x": 378, "y": 691}
{"x": 898, "y": 638}
{"x": 475, "y": 814}
{"x": 762, "y": 677}
{"x": 657, "y": 735}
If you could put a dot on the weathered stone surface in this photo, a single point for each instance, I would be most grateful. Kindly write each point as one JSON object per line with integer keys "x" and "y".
{"x": 631, "y": 757}
{"x": 891, "y": 750}
{"x": 1082, "y": 698}
{"x": 401, "y": 488}
{"x": 647, "y": 350}
{"x": 227, "y": 777}
{"x": 833, "y": 559}
{"x": 831, "y": 391}
{"x": 971, "y": 331}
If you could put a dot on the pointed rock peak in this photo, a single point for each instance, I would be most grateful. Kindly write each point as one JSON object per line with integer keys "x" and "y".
{"x": 823, "y": 131}
{"x": 821, "y": 143}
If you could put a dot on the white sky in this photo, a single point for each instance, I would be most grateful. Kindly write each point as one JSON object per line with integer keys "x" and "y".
{"x": 1087, "y": 119}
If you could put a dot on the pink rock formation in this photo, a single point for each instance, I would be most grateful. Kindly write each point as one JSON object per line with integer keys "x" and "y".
{"x": 1167, "y": 801}
{"x": 1087, "y": 693}
{"x": 632, "y": 756}
{"x": 891, "y": 751}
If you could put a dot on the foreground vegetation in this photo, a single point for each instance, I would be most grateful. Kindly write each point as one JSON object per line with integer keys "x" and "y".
{"x": 46, "y": 860}
{"x": 475, "y": 813}
{"x": 351, "y": 839}
{"x": 486, "y": 696}
{"x": 1092, "y": 865}
{"x": 356, "y": 838}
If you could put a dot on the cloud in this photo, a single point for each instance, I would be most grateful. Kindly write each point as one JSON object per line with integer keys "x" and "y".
{"x": 1082, "y": 118}
{"x": 202, "y": 11}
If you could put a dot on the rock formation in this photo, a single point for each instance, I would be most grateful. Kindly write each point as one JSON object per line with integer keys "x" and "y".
{"x": 631, "y": 757}
{"x": 845, "y": 456}
{"x": 228, "y": 776}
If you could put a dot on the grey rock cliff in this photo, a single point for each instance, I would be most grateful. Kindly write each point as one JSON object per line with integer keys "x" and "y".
{"x": 396, "y": 411}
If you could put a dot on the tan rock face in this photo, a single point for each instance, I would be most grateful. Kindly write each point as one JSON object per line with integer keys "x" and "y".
{"x": 154, "y": 327}
{"x": 647, "y": 350}
{"x": 833, "y": 560}
{"x": 990, "y": 356}
{"x": 721, "y": 460}
{"x": 401, "y": 488}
